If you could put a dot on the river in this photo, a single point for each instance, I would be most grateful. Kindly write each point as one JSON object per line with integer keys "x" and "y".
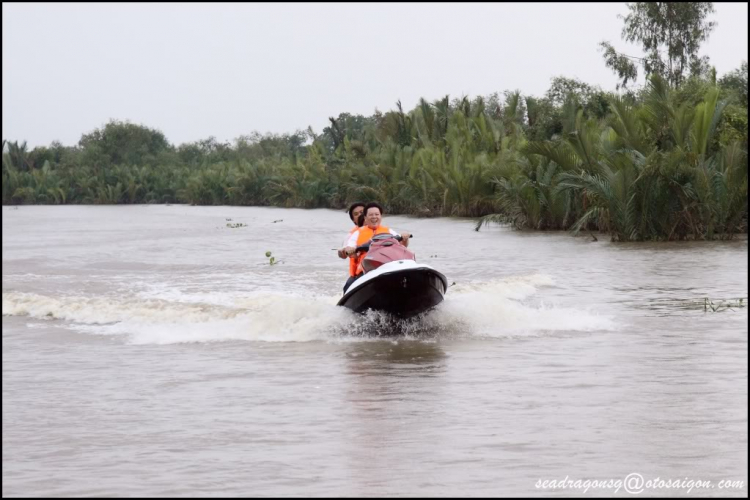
{"x": 154, "y": 350}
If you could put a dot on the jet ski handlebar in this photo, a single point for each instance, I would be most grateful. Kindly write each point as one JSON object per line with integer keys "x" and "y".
{"x": 384, "y": 236}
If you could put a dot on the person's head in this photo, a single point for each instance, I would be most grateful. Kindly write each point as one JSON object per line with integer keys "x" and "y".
{"x": 373, "y": 215}
{"x": 355, "y": 210}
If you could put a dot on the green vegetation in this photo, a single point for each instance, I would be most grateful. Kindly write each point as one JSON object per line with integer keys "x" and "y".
{"x": 723, "y": 305}
{"x": 271, "y": 259}
{"x": 670, "y": 34}
{"x": 665, "y": 162}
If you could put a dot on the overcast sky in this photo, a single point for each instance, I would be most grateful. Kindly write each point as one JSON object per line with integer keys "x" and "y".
{"x": 226, "y": 70}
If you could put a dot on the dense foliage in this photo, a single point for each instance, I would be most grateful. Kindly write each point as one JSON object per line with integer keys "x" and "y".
{"x": 666, "y": 162}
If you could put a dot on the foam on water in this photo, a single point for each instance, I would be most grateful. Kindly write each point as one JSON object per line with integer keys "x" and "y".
{"x": 491, "y": 309}
{"x": 497, "y": 309}
{"x": 266, "y": 317}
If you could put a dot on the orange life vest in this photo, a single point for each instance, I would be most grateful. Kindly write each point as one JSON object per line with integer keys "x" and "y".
{"x": 365, "y": 235}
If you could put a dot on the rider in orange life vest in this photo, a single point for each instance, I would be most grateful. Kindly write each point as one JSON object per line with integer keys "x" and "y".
{"x": 356, "y": 210}
{"x": 371, "y": 227}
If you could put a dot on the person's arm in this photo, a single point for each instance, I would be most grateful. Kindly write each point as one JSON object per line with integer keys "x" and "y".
{"x": 341, "y": 252}
{"x": 404, "y": 237}
{"x": 351, "y": 244}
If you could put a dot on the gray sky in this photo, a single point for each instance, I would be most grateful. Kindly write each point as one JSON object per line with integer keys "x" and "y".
{"x": 226, "y": 70}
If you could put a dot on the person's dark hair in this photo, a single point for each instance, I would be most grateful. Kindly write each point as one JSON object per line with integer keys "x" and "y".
{"x": 373, "y": 204}
{"x": 353, "y": 206}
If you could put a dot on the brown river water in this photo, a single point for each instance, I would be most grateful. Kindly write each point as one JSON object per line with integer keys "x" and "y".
{"x": 154, "y": 351}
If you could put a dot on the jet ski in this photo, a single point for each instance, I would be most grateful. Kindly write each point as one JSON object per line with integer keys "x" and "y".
{"x": 393, "y": 281}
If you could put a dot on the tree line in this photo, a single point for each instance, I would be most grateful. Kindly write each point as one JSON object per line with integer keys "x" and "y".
{"x": 667, "y": 161}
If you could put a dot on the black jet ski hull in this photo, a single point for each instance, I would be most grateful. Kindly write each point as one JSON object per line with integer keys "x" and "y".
{"x": 403, "y": 291}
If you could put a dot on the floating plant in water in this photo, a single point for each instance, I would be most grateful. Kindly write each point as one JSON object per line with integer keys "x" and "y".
{"x": 723, "y": 304}
{"x": 271, "y": 259}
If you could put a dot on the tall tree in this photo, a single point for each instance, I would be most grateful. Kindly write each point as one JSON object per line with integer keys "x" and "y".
{"x": 670, "y": 34}
{"x": 123, "y": 143}
{"x": 735, "y": 83}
